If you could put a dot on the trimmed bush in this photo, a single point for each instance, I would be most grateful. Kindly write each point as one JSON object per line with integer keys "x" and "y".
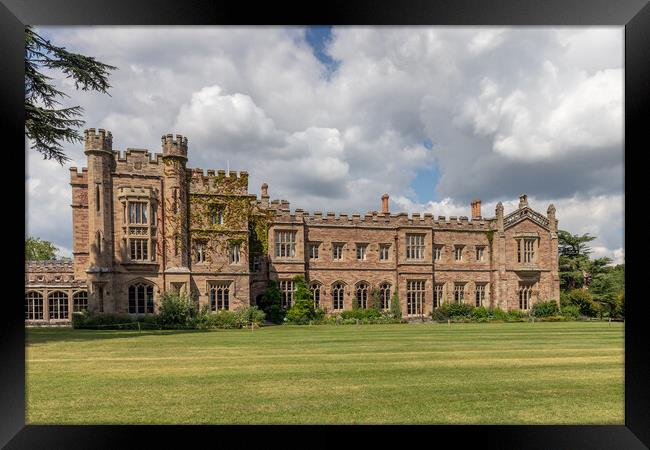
{"x": 302, "y": 311}
{"x": 584, "y": 301}
{"x": 570, "y": 312}
{"x": 545, "y": 309}
{"x": 176, "y": 310}
{"x": 245, "y": 316}
{"x": 361, "y": 314}
{"x": 479, "y": 313}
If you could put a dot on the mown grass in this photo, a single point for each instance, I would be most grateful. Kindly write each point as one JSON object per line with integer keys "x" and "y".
{"x": 511, "y": 373}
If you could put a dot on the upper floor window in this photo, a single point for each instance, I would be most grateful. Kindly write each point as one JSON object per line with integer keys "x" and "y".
{"x": 200, "y": 251}
{"x": 526, "y": 250}
{"x": 479, "y": 252}
{"x": 361, "y": 251}
{"x": 313, "y": 250}
{"x": 337, "y": 251}
{"x": 139, "y": 249}
{"x": 414, "y": 246}
{"x": 458, "y": 252}
{"x": 384, "y": 252}
{"x": 437, "y": 252}
{"x": 285, "y": 244}
{"x": 216, "y": 215}
{"x": 138, "y": 213}
{"x": 234, "y": 253}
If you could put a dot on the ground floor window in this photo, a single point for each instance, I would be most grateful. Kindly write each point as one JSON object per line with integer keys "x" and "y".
{"x": 286, "y": 289}
{"x": 337, "y": 296}
{"x": 219, "y": 296}
{"x": 140, "y": 299}
{"x": 525, "y": 291}
{"x": 384, "y": 295}
{"x": 362, "y": 295}
{"x": 459, "y": 292}
{"x": 33, "y": 306}
{"x": 80, "y": 301}
{"x": 58, "y": 303}
{"x": 315, "y": 293}
{"x": 480, "y": 294}
{"x": 414, "y": 297}
{"x": 437, "y": 295}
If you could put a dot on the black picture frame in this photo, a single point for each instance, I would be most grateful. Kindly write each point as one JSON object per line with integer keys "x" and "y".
{"x": 633, "y": 14}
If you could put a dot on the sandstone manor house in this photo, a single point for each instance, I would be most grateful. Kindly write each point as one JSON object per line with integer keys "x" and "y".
{"x": 144, "y": 224}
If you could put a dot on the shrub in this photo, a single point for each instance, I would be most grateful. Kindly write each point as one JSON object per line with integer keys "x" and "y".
{"x": 271, "y": 303}
{"x": 570, "y": 312}
{"x": 375, "y": 299}
{"x": 457, "y": 310}
{"x": 361, "y": 314}
{"x": 355, "y": 303}
{"x": 302, "y": 311}
{"x": 440, "y": 314}
{"x": 584, "y": 301}
{"x": 104, "y": 320}
{"x": 244, "y": 316}
{"x": 395, "y": 308}
{"x": 176, "y": 310}
{"x": 545, "y": 309}
{"x": 479, "y": 313}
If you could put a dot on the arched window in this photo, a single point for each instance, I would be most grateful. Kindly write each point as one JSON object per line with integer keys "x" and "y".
{"x": 362, "y": 295}
{"x": 337, "y": 296}
{"x": 315, "y": 293}
{"x": 33, "y": 306}
{"x": 525, "y": 291}
{"x": 140, "y": 298}
{"x": 58, "y": 302}
{"x": 384, "y": 295}
{"x": 220, "y": 296}
{"x": 80, "y": 301}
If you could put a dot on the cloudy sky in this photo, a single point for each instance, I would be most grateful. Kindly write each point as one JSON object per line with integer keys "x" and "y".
{"x": 332, "y": 117}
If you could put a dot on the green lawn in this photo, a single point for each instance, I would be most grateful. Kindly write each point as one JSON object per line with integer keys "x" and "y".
{"x": 511, "y": 373}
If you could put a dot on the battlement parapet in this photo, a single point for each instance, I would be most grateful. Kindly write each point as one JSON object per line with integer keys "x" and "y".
{"x": 174, "y": 147}
{"x": 217, "y": 182}
{"x": 98, "y": 140}
{"x": 78, "y": 178}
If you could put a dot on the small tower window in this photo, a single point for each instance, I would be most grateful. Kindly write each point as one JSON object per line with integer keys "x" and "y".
{"x": 97, "y": 198}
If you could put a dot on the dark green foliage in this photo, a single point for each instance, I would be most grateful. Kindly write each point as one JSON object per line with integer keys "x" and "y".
{"x": 355, "y": 303}
{"x": 38, "y": 250}
{"x": 395, "y": 309}
{"x": 45, "y": 125}
{"x": 176, "y": 310}
{"x": 583, "y": 300}
{"x": 545, "y": 309}
{"x": 104, "y": 321}
{"x": 271, "y": 303}
{"x": 361, "y": 314}
{"x": 570, "y": 312}
{"x": 302, "y": 311}
{"x": 620, "y": 306}
{"x": 375, "y": 299}
{"x": 479, "y": 313}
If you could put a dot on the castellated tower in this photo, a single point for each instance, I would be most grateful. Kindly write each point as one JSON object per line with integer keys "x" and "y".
{"x": 99, "y": 150}
{"x": 175, "y": 211}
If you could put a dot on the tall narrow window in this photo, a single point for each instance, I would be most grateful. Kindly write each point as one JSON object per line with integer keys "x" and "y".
{"x": 285, "y": 244}
{"x": 414, "y": 297}
{"x": 97, "y": 198}
{"x": 286, "y": 289}
{"x": 234, "y": 253}
{"x": 361, "y": 251}
{"x": 337, "y": 296}
{"x": 98, "y": 238}
{"x": 80, "y": 301}
{"x": 458, "y": 252}
{"x": 315, "y": 293}
{"x": 362, "y": 295}
{"x": 337, "y": 251}
{"x": 480, "y": 294}
{"x": 414, "y": 246}
{"x": 525, "y": 293}
{"x": 437, "y": 294}
{"x": 529, "y": 250}
{"x": 216, "y": 215}
{"x": 33, "y": 306}
{"x": 459, "y": 292}
{"x": 313, "y": 250}
{"x": 153, "y": 215}
{"x": 384, "y": 295}
{"x": 384, "y": 252}
{"x": 479, "y": 252}
{"x": 437, "y": 252}
{"x": 140, "y": 299}
{"x": 200, "y": 251}
{"x": 58, "y": 303}
{"x": 220, "y": 296}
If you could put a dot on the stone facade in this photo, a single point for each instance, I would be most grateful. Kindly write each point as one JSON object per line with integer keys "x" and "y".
{"x": 145, "y": 223}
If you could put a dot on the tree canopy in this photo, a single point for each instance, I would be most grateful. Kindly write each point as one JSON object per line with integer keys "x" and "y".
{"x": 46, "y": 125}
{"x": 39, "y": 250}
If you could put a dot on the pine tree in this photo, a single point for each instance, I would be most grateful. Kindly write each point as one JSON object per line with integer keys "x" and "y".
{"x": 45, "y": 125}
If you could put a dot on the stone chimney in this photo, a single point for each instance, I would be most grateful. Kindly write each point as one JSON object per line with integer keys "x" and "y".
{"x": 384, "y": 204}
{"x": 265, "y": 194}
{"x": 523, "y": 201}
{"x": 476, "y": 209}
